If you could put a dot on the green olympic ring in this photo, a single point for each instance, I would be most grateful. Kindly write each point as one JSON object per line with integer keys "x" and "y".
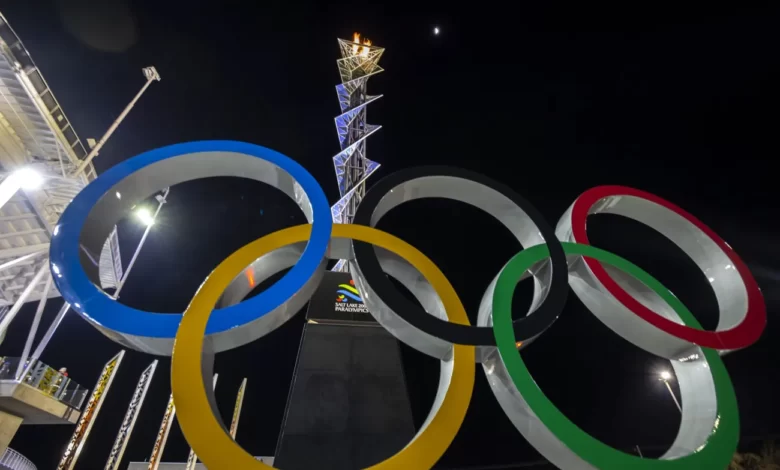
{"x": 721, "y": 444}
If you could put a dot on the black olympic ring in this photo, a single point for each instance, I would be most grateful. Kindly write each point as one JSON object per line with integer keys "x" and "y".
{"x": 371, "y": 210}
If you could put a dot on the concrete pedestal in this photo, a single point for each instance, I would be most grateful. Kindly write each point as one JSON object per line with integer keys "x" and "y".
{"x": 348, "y": 406}
{"x": 9, "y": 424}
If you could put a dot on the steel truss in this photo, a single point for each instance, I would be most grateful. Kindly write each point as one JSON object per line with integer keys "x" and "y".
{"x": 35, "y": 133}
{"x": 36, "y": 138}
{"x": 359, "y": 61}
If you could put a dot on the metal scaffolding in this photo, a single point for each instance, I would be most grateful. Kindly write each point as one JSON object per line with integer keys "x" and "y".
{"x": 35, "y": 135}
{"x": 359, "y": 61}
{"x": 43, "y": 166}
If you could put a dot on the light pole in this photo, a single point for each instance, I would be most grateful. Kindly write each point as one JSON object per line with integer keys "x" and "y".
{"x": 147, "y": 219}
{"x": 666, "y": 376}
{"x": 151, "y": 75}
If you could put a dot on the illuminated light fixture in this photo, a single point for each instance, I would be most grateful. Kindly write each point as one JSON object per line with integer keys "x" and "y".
{"x": 118, "y": 195}
{"x": 436, "y": 30}
{"x": 28, "y": 178}
{"x": 665, "y": 375}
{"x": 145, "y": 216}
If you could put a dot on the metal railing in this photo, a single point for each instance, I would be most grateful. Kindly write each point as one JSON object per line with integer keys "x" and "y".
{"x": 46, "y": 379}
{"x": 13, "y": 460}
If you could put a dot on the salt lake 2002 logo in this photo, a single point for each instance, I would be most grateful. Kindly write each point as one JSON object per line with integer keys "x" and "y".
{"x": 348, "y": 290}
{"x": 349, "y": 300}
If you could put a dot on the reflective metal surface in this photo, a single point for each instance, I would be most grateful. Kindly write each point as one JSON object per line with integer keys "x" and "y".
{"x": 406, "y": 321}
{"x": 700, "y": 413}
{"x": 540, "y": 273}
{"x": 90, "y": 218}
{"x": 607, "y": 304}
{"x": 394, "y": 265}
{"x": 199, "y": 417}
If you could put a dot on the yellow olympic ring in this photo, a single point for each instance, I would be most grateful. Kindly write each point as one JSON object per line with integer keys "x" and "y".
{"x": 206, "y": 435}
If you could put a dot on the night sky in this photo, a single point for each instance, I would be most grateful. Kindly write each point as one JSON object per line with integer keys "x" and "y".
{"x": 680, "y": 103}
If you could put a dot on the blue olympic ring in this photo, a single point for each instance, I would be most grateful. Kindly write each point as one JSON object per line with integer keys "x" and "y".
{"x": 84, "y": 296}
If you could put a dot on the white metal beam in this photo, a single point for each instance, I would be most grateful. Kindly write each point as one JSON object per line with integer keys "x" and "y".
{"x": 47, "y": 337}
{"x": 9, "y": 317}
{"x": 151, "y": 75}
{"x": 34, "y": 327}
{"x": 13, "y": 218}
{"x": 22, "y": 233}
{"x": 21, "y": 260}
{"x": 8, "y": 277}
{"x": 23, "y": 250}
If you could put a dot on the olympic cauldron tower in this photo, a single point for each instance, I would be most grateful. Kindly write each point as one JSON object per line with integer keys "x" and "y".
{"x": 359, "y": 62}
{"x": 348, "y": 406}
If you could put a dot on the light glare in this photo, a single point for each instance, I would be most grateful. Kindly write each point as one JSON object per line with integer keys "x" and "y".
{"x": 665, "y": 375}
{"x": 144, "y": 216}
{"x": 28, "y": 178}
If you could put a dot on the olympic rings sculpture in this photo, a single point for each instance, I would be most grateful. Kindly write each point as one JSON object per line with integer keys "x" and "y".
{"x": 623, "y": 296}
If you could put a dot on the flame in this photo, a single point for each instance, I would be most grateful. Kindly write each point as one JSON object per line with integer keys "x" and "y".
{"x": 357, "y": 49}
{"x": 364, "y": 52}
{"x": 356, "y": 40}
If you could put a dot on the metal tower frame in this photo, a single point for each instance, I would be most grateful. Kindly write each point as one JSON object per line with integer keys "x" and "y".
{"x": 359, "y": 61}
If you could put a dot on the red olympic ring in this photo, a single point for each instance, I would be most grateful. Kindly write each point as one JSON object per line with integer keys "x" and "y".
{"x": 744, "y": 334}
